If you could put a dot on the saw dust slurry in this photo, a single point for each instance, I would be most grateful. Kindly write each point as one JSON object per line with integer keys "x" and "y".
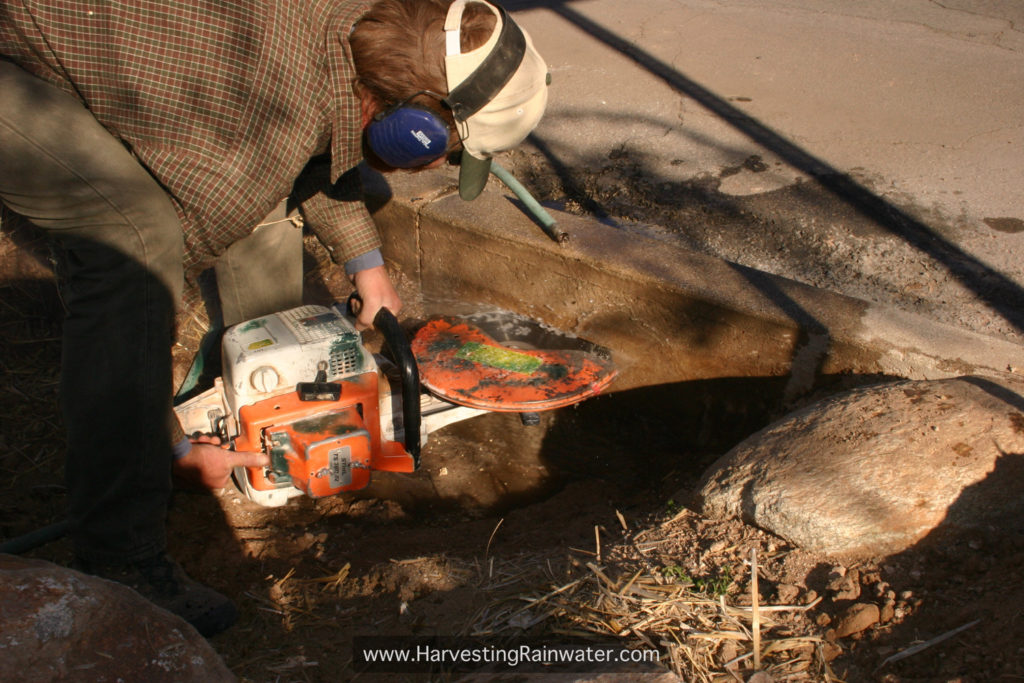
{"x": 500, "y": 358}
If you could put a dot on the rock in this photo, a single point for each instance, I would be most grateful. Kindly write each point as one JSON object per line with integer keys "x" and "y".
{"x": 873, "y": 471}
{"x": 845, "y": 586}
{"x": 59, "y": 624}
{"x": 786, "y": 594}
{"x": 858, "y": 617}
{"x": 728, "y": 652}
{"x": 830, "y": 651}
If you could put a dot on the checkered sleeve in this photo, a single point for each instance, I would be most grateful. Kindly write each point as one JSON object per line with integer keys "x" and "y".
{"x": 335, "y": 212}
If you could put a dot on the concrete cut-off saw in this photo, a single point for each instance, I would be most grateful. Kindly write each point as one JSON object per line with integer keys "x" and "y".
{"x": 301, "y": 386}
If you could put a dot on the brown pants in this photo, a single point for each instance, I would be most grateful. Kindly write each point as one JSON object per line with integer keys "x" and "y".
{"x": 122, "y": 251}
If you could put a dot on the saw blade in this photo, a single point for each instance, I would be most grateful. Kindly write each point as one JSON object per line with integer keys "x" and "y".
{"x": 461, "y": 363}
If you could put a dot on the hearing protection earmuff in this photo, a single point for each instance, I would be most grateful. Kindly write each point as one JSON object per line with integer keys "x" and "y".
{"x": 408, "y": 135}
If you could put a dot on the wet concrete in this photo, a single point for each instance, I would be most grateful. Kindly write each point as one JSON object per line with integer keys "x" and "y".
{"x": 668, "y": 314}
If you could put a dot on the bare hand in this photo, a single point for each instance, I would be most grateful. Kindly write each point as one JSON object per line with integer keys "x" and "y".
{"x": 208, "y": 465}
{"x": 376, "y": 291}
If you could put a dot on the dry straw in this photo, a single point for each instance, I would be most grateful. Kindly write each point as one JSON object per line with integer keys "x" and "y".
{"x": 701, "y": 637}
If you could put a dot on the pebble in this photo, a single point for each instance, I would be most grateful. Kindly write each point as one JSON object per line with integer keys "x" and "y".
{"x": 830, "y": 650}
{"x": 858, "y": 617}
{"x": 787, "y": 593}
{"x": 845, "y": 586}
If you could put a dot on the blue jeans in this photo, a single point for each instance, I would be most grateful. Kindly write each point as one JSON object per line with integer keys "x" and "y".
{"x": 122, "y": 253}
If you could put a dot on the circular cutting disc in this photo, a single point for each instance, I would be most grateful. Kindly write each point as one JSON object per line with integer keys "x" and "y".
{"x": 460, "y": 363}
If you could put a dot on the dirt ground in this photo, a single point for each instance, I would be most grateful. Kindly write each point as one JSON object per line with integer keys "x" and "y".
{"x": 579, "y": 527}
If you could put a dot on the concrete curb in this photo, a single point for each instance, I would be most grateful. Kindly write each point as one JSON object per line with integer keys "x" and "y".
{"x": 668, "y": 314}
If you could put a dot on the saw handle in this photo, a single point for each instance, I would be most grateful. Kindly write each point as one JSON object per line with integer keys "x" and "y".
{"x": 398, "y": 343}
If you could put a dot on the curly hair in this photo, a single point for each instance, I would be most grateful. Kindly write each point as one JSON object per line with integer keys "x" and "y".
{"x": 399, "y": 46}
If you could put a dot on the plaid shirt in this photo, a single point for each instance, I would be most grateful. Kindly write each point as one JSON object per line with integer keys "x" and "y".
{"x": 232, "y": 105}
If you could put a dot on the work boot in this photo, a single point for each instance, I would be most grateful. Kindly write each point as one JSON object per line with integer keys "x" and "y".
{"x": 163, "y": 582}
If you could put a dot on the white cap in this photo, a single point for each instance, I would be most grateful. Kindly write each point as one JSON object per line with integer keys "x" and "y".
{"x": 497, "y": 92}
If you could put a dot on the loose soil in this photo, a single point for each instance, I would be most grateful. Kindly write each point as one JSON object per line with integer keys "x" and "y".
{"x": 581, "y": 526}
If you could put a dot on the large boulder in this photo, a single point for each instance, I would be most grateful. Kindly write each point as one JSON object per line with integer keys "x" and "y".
{"x": 59, "y": 624}
{"x": 873, "y": 471}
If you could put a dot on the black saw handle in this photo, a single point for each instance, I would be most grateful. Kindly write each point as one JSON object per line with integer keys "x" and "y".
{"x": 398, "y": 343}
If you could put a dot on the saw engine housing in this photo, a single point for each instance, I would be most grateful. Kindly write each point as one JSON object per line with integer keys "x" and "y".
{"x": 300, "y": 386}
{"x": 320, "y": 446}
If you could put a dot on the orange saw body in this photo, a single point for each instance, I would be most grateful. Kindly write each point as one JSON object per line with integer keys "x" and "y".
{"x": 320, "y": 447}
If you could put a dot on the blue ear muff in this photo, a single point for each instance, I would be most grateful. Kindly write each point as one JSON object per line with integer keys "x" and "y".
{"x": 408, "y": 136}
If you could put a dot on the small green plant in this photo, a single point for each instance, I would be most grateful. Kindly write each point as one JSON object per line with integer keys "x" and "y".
{"x": 715, "y": 585}
{"x": 673, "y": 508}
{"x": 676, "y": 573}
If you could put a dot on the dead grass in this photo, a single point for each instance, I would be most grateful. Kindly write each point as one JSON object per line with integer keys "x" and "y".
{"x": 700, "y": 636}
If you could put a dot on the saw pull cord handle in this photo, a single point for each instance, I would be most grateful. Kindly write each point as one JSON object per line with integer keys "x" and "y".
{"x": 398, "y": 343}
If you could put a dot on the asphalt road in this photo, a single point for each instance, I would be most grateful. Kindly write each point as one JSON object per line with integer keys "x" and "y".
{"x": 909, "y": 105}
